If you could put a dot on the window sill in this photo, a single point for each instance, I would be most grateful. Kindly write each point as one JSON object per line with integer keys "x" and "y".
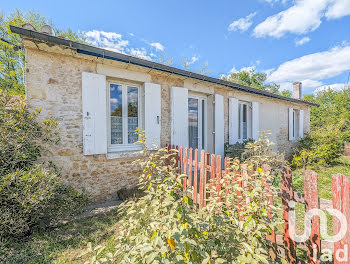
{"x": 124, "y": 154}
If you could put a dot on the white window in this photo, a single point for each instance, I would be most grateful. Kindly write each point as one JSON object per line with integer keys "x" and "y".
{"x": 124, "y": 116}
{"x": 244, "y": 121}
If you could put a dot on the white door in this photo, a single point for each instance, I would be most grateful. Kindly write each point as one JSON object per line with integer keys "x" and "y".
{"x": 197, "y": 107}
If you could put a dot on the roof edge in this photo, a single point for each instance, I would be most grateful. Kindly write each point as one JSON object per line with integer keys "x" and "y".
{"x": 107, "y": 54}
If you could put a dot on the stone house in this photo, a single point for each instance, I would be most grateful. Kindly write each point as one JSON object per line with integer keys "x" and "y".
{"x": 100, "y": 97}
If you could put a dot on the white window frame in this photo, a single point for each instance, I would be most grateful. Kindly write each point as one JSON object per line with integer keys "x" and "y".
{"x": 240, "y": 120}
{"x": 203, "y": 128}
{"x": 123, "y": 147}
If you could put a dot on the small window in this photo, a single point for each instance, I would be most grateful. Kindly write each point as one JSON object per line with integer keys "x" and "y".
{"x": 124, "y": 106}
{"x": 244, "y": 121}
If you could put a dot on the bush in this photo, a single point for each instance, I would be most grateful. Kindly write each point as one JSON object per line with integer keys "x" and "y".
{"x": 236, "y": 150}
{"x": 165, "y": 226}
{"x": 31, "y": 192}
{"x": 34, "y": 198}
{"x": 321, "y": 147}
{"x": 22, "y": 136}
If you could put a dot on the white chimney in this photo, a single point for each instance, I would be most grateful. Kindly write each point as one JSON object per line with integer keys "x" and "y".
{"x": 297, "y": 90}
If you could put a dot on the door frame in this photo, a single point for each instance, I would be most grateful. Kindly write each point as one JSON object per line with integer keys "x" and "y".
{"x": 201, "y": 118}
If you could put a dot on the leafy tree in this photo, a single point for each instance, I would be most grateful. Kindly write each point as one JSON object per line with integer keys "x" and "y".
{"x": 12, "y": 56}
{"x": 256, "y": 80}
{"x": 330, "y": 128}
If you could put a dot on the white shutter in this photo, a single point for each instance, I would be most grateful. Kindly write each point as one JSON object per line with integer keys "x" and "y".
{"x": 301, "y": 123}
{"x": 233, "y": 120}
{"x": 94, "y": 100}
{"x": 219, "y": 125}
{"x": 290, "y": 123}
{"x": 255, "y": 120}
{"x": 152, "y": 114}
{"x": 179, "y": 116}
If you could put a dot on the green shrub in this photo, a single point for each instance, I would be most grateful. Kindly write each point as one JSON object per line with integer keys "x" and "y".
{"x": 22, "y": 136}
{"x": 321, "y": 147}
{"x": 34, "y": 198}
{"x": 166, "y": 226}
{"x": 31, "y": 193}
{"x": 236, "y": 150}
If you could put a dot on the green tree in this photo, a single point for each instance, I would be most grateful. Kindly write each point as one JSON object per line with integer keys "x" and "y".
{"x": 12, "y": 56}
{"x": 255, "y": 80}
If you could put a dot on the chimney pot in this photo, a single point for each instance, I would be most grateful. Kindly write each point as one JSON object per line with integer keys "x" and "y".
{"x": 297, "y": 90}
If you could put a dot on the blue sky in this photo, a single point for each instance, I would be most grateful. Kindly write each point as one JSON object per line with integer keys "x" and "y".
{"x": 301, "y": 40}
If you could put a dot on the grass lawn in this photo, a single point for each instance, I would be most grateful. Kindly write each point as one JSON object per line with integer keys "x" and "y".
{"x": 62, "y": 244}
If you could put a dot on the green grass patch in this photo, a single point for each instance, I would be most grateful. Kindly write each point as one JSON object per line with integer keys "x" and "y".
{"x": 64, "y": 243}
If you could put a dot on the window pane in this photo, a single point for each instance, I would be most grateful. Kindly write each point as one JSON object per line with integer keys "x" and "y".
{"x": 193, "y": 122}
{"x": 245, "y": 123}
{"x": 133, "y": 121}
{"x": 116, "y": 92}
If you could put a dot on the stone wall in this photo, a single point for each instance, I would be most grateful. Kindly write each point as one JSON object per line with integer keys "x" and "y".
{"x": 53, "y": 83}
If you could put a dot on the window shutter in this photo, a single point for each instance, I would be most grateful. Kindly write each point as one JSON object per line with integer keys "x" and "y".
{"x": 179, "y": 116}
{"x": 301, "y": 123}
{"x": 94, "y": 100}
{"x": 255, "y": 120}
{"x": 233, "y": 120}
{"x": 219, "y": 125}
{"x": 290, "y": 123}
{"x": 152, "y": 114}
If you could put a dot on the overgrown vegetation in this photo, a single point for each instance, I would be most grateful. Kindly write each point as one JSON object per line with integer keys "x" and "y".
{"x": 166, "y": 226}
{"x": 11, "y": 53}
{"x": 31, "y": 192}
{"x": 330, "y": 128}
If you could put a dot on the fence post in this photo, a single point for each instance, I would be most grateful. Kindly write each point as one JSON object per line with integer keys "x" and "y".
{"x": 287, "y": 196}
{"x": 340, "y": 198}
{"x": 212, "y": 173}
{"x": 184, "y": 164}
{"x": 311, "y": 202}
{"x": 218, "y": 175}
{"x": 271, "y": 237}
{"x": 202, "y": 179}
{"x": 195, "y": 176}
{"x": 190, "y": 162}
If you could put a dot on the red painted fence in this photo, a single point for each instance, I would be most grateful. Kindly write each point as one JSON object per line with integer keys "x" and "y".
{"x": 200, "y": 167}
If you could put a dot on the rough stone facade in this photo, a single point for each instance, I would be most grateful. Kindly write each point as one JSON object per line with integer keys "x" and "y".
{"x": 53, "y": 83}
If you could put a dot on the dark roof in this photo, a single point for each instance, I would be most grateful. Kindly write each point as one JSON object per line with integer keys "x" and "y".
{"x": 107, "y": 54}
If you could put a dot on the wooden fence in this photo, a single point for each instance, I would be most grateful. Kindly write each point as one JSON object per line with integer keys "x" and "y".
{"x": 200, "y": 167}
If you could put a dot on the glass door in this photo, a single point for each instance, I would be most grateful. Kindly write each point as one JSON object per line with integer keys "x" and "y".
{"x": 196, "y": 122}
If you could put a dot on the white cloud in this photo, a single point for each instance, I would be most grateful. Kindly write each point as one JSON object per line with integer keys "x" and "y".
{"x": 140, "y": 53}
{"x": 157, "y": 46}
{"x": 242, "y": 24}
{"x": 334, "y": 86}
{"x": 107, "y": 40}
{"x": 303, "y": 17}
{"x": 338, "y": 8}
{"x": 271, "y": 2}
{"x": 194, "y": 59}
{"x": 316, "y": 66}
{"x": 302, "y": 41}
{"x": 233, "y": 70}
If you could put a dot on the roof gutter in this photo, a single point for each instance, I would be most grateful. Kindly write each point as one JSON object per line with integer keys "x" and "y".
{"x": 107, "y": 54}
